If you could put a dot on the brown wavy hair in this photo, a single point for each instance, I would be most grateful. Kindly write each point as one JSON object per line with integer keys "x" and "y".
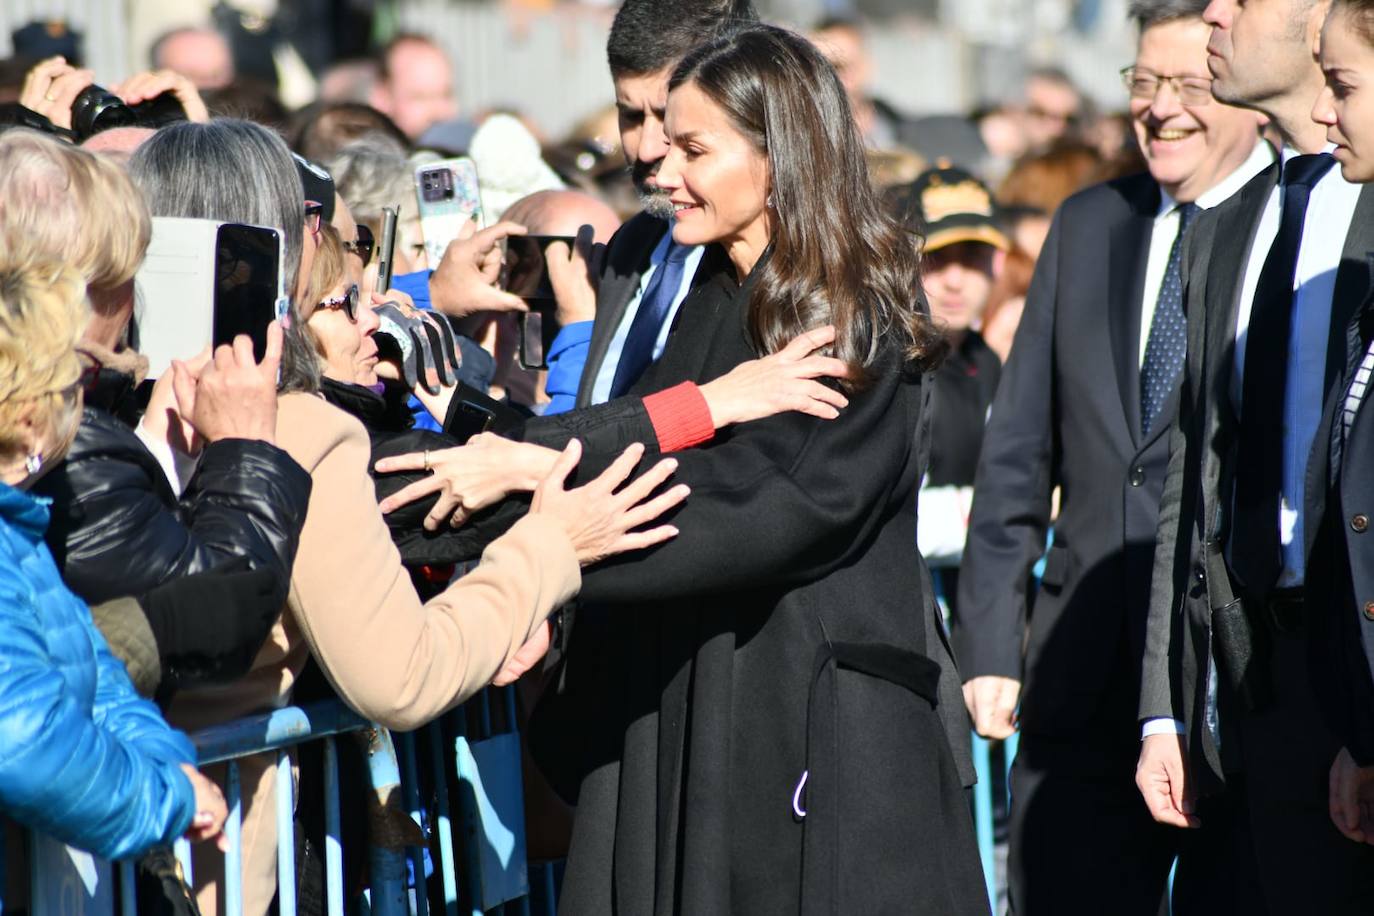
{"x": 836, "y": 257}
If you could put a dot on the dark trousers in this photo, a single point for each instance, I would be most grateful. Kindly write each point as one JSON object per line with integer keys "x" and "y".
{"x": 1081, "y": 838}
{"x": 1267, "y": 844}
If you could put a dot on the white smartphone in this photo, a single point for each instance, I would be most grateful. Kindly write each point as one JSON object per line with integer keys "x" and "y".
{"x": 449, "y": 197}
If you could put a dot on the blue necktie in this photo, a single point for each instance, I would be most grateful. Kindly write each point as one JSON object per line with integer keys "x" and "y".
{"x": 658, "y": 297}
{"x": 1255, "y": 544}
{"x": 1164, "y": 350}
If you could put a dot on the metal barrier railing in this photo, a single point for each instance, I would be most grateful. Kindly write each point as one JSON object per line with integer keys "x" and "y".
{"x": 483, "y": 827}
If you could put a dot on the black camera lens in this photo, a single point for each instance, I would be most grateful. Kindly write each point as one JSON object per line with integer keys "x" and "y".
{"x": 97, "y": 109}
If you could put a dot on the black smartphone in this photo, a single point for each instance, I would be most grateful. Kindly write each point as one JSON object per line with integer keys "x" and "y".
{"x": 470, "y": 418}
{"x": 247, "y": 284}
{"x": 525, "y": 272}
{"x": 386, "y": 248}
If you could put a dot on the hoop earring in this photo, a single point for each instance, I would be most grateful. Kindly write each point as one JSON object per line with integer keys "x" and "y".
{"x": 34, "y": 463}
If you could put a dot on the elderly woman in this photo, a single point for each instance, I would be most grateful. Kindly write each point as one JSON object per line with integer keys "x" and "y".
{"x": 352, "y": 607}
{"x": 119, "y": 527}
{"x": 63, "y": 696}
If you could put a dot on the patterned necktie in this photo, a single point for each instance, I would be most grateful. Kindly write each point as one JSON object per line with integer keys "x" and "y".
{"x": 658, "y": 297}
{"x": 1255, "y": 545}
{"x": 1164, "y": 350}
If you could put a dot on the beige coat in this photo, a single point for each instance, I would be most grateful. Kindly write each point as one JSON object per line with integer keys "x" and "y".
{"x": 394, "y": 660}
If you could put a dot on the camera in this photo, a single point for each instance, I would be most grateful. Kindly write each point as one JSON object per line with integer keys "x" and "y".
{"x": 97, "y": 109}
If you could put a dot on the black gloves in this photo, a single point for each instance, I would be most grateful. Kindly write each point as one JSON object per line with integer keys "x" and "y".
{"x": 420, "y": 342}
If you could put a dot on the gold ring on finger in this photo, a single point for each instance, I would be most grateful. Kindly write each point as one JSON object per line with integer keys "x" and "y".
{"x": 50, "y": 96}
{"x": 426, "y": 460}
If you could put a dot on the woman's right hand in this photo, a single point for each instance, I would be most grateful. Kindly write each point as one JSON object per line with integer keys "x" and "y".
{"x": 208, "y": 823}
{"x": 601, "y": 517}
{"x": 784, "y": 381}
{"x": 233, "y": 396}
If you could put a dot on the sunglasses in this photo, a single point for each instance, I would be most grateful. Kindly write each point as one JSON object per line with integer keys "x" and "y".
{"x": 314, "y": 215}
{"x": 363, "y": 246}
{"x": 348, "y": 302}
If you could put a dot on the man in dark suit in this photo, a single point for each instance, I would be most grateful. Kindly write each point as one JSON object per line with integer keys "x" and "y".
{"x": 1084, "y": 406}
{"x": 645, "y": 275}
{"x": 1271, "y": 280}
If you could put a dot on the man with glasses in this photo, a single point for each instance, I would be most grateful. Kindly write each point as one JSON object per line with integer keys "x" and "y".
{"x": 1085, "y": 406}
{"x": 1272, "y": 278}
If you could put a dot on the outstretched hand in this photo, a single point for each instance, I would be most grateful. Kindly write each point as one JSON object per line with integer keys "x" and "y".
{"x": 468, "y": 477}
{"x": 784, "y": 381}
{"x": 601, "y": 520}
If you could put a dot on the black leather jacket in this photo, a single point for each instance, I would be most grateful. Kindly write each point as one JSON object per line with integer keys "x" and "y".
{"x": 118, "y": 528}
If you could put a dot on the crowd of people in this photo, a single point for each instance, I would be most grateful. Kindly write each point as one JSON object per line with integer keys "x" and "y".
{"x": 852, "y": 432}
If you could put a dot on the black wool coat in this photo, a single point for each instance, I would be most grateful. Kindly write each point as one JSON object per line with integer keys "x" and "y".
{"x": 771, "y": 660}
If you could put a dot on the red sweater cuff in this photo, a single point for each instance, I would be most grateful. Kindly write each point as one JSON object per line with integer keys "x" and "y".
{"x": 680, "y": 416}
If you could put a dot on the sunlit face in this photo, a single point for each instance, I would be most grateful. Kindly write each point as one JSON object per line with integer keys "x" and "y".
{"x": 957, "y": 280}
{"x": 419, "y": 93}
{"x": 1188, "y": 147}
{"x": 715, "y": 177}
{"x": 350, "y": 352}
{"x": 1259, "y": 49}
{"x": 1346, "y": 105}
{"x": 641, "y": 103}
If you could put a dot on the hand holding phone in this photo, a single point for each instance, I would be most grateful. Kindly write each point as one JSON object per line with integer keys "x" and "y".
{"x": 526, "y": 274}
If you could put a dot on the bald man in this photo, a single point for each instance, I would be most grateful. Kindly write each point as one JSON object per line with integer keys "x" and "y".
{"x": 560, "y": 213}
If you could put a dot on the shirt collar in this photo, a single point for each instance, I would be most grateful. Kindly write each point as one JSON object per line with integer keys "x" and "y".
{"x": 1260, "y": 158}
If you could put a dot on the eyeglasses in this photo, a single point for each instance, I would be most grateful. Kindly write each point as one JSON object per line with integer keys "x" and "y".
{"x": 348, "y": 302}
{"x": 1194, "y": 91}
{"x": 314, "y": 214}
{"x": 363, "y": 246}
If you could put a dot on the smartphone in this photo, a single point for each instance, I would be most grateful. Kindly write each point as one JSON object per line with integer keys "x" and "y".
{"x": 469, "y": 419}
{"x": 525, "y": 272}
{"x": 206, "y": 282}
{"x": 449, "y": 197}
{"x": 386, "y": 250}
{"x": 247, "y": 284}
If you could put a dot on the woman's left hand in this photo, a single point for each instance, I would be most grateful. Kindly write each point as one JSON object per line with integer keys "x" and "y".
{"x": 778, "y": 383}
{"x": 469, "y": 477}
{"x": 145, "y": 86}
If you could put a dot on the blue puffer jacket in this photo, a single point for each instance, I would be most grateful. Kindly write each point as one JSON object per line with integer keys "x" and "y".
{"x": 82, "y": 758}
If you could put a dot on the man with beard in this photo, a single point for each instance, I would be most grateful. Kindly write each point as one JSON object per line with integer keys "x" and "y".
{"x": 643, "y": 274}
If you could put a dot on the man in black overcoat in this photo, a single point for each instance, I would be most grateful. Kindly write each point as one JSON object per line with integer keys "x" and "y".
{"x": 1084, "y": 407}
{"x": 1271, "y": 279}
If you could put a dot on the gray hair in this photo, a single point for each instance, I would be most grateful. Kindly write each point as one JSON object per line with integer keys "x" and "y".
{"x": 1147, "y": 13}
{"x": 238, "y": 171}
{"x": 371, "y": 174}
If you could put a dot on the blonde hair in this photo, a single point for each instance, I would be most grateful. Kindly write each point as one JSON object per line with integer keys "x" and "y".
{"x": 43, "y": 313}
{"x": 74, "y": 205}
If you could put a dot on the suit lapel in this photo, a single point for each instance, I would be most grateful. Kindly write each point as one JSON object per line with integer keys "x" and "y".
{"x": 1128, "y": 257}
{"x": 626, "y": 260}
{"x": 1233, "y": 239}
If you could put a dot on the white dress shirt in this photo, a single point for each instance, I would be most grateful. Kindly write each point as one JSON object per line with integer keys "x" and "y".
{"x": 1325, "y": 225}
{"x": 1166, "y": 230}
{"x": 605, "y": 376}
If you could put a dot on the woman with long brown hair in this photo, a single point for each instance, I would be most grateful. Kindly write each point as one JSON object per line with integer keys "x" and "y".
{"x": 748, "y": 722}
